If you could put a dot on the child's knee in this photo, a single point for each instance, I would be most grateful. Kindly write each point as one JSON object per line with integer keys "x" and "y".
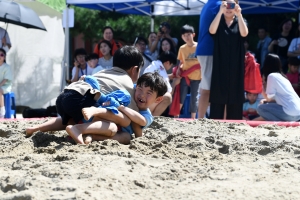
{"x": 113, "y": 129}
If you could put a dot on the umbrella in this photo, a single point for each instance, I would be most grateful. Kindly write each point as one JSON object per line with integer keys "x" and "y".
{"x": 14, "y": 13}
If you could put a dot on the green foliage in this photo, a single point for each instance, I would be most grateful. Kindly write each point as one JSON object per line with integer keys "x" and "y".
{"x": 126, "y": 27}
{"x": 58, "y": 5}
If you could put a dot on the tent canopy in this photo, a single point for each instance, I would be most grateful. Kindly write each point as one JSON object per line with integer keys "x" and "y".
{"x": 183, "y": 7}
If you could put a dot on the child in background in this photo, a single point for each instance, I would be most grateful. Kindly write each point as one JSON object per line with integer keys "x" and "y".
{"x": 164, "y": 62}
{"x": 293, "y": 73}
{"x": 189, "y": 62}
{"x": 250, "y": 107}
{"x": 105, "y": 62}
{"x": 5, "y": 80}
{"x": 150, "y": 89}
{"x": 92, "y": 60}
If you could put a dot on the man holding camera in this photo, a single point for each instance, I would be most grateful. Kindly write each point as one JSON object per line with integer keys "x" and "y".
{"x": 163, "y": 32}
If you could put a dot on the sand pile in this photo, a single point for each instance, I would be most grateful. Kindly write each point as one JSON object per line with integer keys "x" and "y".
{"x": 201, "y": 159}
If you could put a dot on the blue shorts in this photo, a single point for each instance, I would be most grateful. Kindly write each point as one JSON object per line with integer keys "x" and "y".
{"x": 69, "y": 105}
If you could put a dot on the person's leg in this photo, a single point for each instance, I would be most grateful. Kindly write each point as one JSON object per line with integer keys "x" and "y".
{"x": 234, "y": 111}
{"x": 194, "y": 86}
{"x": 216, "y": 111}
{"x": 103, "y": 128}
{"x": 2, "y": 108}
{"x": 269, "y": 112}
{"x": 158, "y": 109}
{"x": 183, "y": 91}
{"x": 204, "y": 86}
{"x": 121, "y": 137}
{"x": 120, "y": 118}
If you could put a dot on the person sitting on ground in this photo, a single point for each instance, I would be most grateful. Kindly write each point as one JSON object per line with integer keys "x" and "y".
{"x": 164, "y": 63}
{"x": 189, "y": 62}
{"x": 105, "y": 62}
{"x": 150, "y": 89}
{"x": 127, "y": 62}
{"x": 250, "y": 106}
{"x": 293, "y": 73}
{"x": 108, "y": 34}
{"x": 140, "y": 43}
{"x": 80, "y": 65}
{"x": 281, "y": 102}
{"x": 5, "y": 80}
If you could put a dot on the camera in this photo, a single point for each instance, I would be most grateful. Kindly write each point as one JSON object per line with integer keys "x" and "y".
{"x": 160, "y": 29}
{"x": 230, "y": 5}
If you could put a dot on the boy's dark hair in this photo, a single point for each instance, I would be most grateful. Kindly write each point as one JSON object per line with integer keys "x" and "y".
{"x": 141, "y": 38}
{"x": 108, "y": 44}
{"x": 294, "y": 61}
{"x": 155, "y": 81}
{"x": 107, "y": 27}
{"x": 80, "y": 51}
{"x": 187, "y": 29}
{"x": 127, "y": 57}
{"x": 91, "y": 56}
{"x": 168, "y": 56}
{"x": 166, "y": 24}
{"x": 263, "y": 28}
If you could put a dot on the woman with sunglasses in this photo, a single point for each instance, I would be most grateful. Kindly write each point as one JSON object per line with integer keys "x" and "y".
{"x": 5, "y": 80}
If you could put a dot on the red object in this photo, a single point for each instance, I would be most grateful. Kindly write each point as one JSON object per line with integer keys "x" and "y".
{"x": 254, "y": 123}
{"x": 252, "y": 80}
{"x": 175, "y": 106}
{"x": 115, "y": 46}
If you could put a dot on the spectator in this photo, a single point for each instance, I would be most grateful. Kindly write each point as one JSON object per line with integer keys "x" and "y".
{"x": 5, "y": 40}
{"x": 80, "y": 66}
{"x": 164, "y": 32}
{"x": 166, "y": 46}
{"x": 294, "y": 48}
{"x": 108, "y": 34}
{"x": 5, "y": 80}
{"x": 229, "y": 31}
{"x": 151, "y": 39}
{"x": 162, "y": 65}
{"x": 105, "y": 62}
{"x": 250, "y": 106}
{"x": 204, "y": 53}
{"x": 281, "y": 102}
{"x": 92, "y": 61}
{"x": 281, "y": 43}
{"x": 262, "y": 45}
{"x": 140, "y": 43}
{"x": 293, "y": 73}
{"x": 188, "y": 60}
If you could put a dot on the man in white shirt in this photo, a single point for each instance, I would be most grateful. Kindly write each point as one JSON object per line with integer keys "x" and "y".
{"x": 165, "y": 62}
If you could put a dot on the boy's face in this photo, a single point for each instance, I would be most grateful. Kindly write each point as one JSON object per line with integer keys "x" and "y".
{"x": 144, "y": 97}
{"x": 251, "y": 97}
{"x": 293, "y": 69}
{"x": 80, "y": 59}
{"x": 93, "y": 63}
{"x": 141, "y": 46}
{"x": 188, "y": 37}
{"x": 167, "y": 65}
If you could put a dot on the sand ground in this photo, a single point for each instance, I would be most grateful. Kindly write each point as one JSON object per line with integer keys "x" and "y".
{"x": 200, "y": 159}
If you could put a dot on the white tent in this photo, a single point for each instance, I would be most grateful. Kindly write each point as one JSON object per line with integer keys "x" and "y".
{"x": 35, "y": 58}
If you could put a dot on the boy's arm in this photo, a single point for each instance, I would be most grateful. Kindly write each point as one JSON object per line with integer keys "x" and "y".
{"x": 133, "y": 115}
{"x": 137, "y": 129}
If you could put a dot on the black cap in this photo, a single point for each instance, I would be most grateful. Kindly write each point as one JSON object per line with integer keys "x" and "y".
{"x": 166, "y": 24}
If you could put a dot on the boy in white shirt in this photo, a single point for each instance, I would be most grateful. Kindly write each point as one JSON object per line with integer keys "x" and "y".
{"x": 164, "y": 62}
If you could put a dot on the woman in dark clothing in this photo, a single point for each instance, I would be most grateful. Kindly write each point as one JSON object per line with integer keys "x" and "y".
{"x": 228, "y": 30}
{"x": 281, "y": 43}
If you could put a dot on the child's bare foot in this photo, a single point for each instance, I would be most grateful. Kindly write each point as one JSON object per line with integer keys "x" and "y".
{"x": 88, "y": 112}
{"x": 75, "y": 134}
{"x": 31, "y": 130}
{"x": 88, "y": 139}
